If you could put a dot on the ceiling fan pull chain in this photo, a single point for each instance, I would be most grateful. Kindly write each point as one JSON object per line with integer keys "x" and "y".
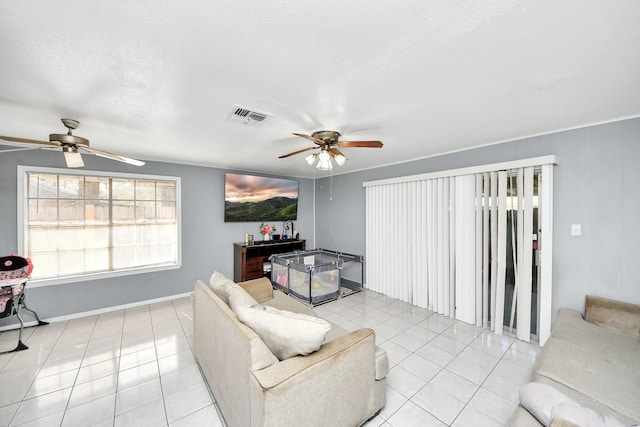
{"x": 331, "y": 186}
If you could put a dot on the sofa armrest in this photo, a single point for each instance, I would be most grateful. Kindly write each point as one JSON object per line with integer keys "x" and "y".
{"x": 277, "y": 374}
{"x": 615, "y": 315}
{"x": 334, "y": 386}
{"x": 260, "y": 289}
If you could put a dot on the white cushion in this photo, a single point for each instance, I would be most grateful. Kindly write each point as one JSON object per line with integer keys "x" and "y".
{"x": 546, "y": 403}
{"x": 218, "y": 282}
{"x": 239, "y": 297}
{"x": 582, "y": 416}
{"x": 539, "y": 399}
{"x": 229, "y": 291}
{"x": 286, "y": 334}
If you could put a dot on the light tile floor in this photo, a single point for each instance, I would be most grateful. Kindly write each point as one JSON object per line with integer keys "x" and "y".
{"x": 136, "y": 367}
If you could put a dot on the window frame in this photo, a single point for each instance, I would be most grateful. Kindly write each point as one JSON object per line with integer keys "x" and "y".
{"x": 23, "y": 225}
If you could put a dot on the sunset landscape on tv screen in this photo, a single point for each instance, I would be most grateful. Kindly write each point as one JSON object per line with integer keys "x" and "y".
{"x": 259, "y": 198}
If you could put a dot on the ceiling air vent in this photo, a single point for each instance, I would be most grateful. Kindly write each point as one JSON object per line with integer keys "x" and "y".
{"x": 247, "y": 116}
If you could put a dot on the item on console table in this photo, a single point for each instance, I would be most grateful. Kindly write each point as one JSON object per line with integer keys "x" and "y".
{"x": 266, "y": 231}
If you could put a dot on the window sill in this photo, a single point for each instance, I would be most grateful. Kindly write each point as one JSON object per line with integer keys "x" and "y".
{"x": 36, "y": 283}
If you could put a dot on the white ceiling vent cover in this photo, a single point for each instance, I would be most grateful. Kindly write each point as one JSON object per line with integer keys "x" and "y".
{"x": 247, "y": 116}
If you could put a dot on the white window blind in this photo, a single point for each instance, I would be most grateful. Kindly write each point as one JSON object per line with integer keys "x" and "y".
{"x": 439, "y": 241}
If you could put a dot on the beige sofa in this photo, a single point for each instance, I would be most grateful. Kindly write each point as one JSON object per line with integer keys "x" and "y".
{"x": 341, "y": 384}
{"x": 595, "y": 361}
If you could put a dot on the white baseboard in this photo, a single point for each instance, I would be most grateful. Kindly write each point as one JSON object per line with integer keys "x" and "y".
{"x": 94, "y": 312}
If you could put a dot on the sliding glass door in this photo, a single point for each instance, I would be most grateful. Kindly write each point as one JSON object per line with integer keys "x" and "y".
{"x": 473, "y": 244}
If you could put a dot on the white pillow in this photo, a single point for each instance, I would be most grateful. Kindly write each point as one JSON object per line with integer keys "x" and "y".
{"x": 582, "y": 416}
{"x": 237, "y": 296}
{"x": 286, "y": 334}
{"x": 546, "y": 403}
{"x": 219, "y": 282}
{"x": 539, "y": 399}
{"x": 229, "y": 291}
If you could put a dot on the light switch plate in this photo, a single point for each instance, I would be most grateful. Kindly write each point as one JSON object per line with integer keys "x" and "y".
{"x": 576, "y": 229}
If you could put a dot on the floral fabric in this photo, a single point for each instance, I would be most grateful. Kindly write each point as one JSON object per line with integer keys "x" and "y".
{"x": 7, "y": 293}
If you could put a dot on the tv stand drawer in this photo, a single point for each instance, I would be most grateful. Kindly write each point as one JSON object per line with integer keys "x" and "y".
{"x": 248, "y": 259}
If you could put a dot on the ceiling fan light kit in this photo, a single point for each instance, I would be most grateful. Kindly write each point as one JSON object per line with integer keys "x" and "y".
{"x": 72, "y": 157}
{"x": 324, "y": 161}
{"x": 327, "y": 142}
{"x": 340, "y": 159}
{"x": 71, "y": 146}
{"x": 311, "y": 159}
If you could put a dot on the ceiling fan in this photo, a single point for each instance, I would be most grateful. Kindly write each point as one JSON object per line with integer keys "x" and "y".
{"x": 328, "y": 143}
{"x": 71, "y": 146}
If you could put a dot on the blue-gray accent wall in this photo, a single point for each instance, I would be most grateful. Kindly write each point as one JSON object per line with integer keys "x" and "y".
{"x": 207, "y": 241}
{"x": 595, "y": 185}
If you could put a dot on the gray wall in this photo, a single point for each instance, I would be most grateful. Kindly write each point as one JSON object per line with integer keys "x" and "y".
{"x": 207, "y": 241}
{"x": 595, "y": 185}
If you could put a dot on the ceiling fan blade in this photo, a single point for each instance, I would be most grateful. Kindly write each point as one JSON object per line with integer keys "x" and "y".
{"x": 111, "y": 156}
{"x": 364, "y": 144}
{"x": 29, "y": 141}
{"x": 73, "y": 159}
{"x": 12, "y": 150}
{"x": 297, "y": 152}
{"x": 310, "y": 138}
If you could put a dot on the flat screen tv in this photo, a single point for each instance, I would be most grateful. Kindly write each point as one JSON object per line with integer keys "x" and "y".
{"x": 259, "y": 198}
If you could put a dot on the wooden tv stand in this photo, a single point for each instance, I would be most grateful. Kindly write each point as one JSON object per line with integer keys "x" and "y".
{"x": 248, "y": 259}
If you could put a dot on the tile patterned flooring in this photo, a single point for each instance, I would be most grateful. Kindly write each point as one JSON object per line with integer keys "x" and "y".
{"x": 135, "y": 367}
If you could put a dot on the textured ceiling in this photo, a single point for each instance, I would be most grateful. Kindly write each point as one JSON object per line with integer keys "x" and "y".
{"x": 156, "y": 80}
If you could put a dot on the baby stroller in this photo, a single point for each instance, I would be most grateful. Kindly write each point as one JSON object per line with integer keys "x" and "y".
{"x": 14, "y": 274}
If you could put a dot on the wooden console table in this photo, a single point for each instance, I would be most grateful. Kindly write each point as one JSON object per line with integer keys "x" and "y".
{"x": 248, "y": 259}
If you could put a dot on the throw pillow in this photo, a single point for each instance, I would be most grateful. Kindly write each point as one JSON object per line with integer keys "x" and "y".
{"x": 546, "y": 404}
{"x": 219, "y": 282}
{"x": 286, "y": 334}
{"x": 539, "y": 399}
{"x": 229, "y": 291}
{"x": 239, "y": 297}
{"x": 579, "y": 415}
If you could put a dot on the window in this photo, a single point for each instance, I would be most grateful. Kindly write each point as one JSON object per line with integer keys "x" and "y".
{"x": 95, "y": 225}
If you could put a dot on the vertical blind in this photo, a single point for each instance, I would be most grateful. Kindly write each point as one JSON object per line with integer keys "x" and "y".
{"x": 439, "y": 241}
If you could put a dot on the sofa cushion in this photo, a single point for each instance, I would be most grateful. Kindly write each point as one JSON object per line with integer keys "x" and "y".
{"x": 611, "y": 345}
{"x": 260, "y": 289}
{"x": 239, "y": 297}
{"x": 286, "y": 334}
{"x": 598, "y": 378}
{"x": 615, "y": 315}
{"x": 282, "y": 301}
